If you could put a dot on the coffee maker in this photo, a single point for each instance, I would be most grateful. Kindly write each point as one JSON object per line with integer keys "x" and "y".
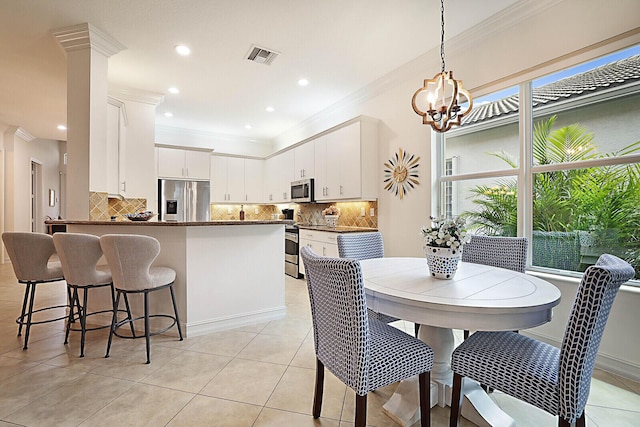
{"x": 288, "y": 213}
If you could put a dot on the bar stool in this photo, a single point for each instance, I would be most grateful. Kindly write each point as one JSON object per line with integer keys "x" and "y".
{"x": 130, "y": 257}
{"x": 79, "y": 255}
{"x": 30, "y": 254}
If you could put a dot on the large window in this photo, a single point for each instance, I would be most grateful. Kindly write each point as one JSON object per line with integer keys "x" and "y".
{"x": 569, "y": 179}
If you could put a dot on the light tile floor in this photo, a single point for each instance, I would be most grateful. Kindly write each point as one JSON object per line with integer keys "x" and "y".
{"x": 259, "y": 375}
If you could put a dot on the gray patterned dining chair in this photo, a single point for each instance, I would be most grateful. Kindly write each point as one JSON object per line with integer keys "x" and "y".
{"x": 556, "y": 380}
{"x": 361, "y": 351}
{"x": 30, "y": 255}
{"x": 496, "y": 251}
{"x": 79, "y": 255}
{"x": 130, "y": 258}
{"x": 361, "y": 246}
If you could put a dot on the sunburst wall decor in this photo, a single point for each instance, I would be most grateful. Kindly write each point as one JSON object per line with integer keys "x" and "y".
{"x": 401, "y": 173}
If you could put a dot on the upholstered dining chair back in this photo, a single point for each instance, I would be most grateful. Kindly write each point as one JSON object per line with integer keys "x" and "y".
{"x": 584, "y": 330}
{"x": 339, "y": 313}
{"x": 497, "y": 251}
{"x": 360, "y": 245}
{"x": 79, "y": 255}
{"x": 30, "y": 254}
{"x": 361, "y": 351}
{"x": 130, "y": 257}
{"x": 554, "y": 379}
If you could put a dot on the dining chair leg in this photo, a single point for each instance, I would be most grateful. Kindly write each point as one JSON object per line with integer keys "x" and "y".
{"x": 580, "y": 422}
{"x": 424, "y": 381}
{"x": 27, "y": 287}
{"x": 317, "y": 398}
{"x": 175, "y": 310}
{"x": 83, "y": 320}
{"x": 146, "y": 325}
{"x": 465, "y": 334}
{"x": 29, "y": 315}
{"x": 113, "y": 324}
{"x": 361, "y": 411}
{"x": 456, "y": 400}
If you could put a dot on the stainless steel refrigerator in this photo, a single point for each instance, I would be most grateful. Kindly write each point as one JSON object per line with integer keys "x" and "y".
{"x": 183, "y": 200}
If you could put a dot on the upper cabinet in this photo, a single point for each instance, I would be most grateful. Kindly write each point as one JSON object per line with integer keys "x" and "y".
{"x": 236, "y": 180}
{"x": 303, "y": 160}
{"x": 279, "y": 171}
{"x": 116, "y": 148}
{"x": 345, "y": 162}
{"x": 183, "y": 164}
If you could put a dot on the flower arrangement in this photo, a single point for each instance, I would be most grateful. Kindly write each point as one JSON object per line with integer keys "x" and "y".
{"x": 331, "y": 210}
{"x": 445, "y": 233}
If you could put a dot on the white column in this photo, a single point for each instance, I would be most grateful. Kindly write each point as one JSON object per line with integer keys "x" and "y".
{"x": 88, "y": 50}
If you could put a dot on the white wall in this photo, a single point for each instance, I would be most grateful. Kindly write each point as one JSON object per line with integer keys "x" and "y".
{"x": 19, "y": 150}
{"x": 522, "y": 44}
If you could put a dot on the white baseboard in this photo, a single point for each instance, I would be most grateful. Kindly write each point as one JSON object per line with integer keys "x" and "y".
{"x": 224, "y": 323}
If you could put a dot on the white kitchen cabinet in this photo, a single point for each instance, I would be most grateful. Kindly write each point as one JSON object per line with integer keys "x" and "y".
{"x": 303, "y": 160}
{"x": 116, "y": 148}
{"x": 346, "y": 162}
{"x": 183, "y": 164}
{"x": 323, "y": 243}
{"x": 253, "y": 180}
{"x": 236, "y": 180}
{"x": 280, "y": 174}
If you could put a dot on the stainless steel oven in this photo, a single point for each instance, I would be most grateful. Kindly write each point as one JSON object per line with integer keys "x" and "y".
{"x": 291, "y": 251}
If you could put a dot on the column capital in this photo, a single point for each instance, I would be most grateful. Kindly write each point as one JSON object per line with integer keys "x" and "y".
{"x": 83, "y": 36}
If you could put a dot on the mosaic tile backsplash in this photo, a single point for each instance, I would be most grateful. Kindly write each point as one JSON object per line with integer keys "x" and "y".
{"x": 307, "y": 213}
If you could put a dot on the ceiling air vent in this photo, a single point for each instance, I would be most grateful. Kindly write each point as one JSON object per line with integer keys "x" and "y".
{"x": 261, "y": 55}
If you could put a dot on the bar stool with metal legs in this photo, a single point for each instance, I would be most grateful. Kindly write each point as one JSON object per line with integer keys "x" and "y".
{"x": 30, "y": 254}
{"x": 130, "y": 257}
{"x": 79, "y": 255}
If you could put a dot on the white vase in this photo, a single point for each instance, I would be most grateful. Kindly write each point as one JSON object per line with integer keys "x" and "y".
{"x": 332, "y": 220}
{"x": 442, "y": 262}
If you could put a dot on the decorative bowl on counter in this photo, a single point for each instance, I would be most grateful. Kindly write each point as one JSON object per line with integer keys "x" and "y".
{"x": 140, "y": 216}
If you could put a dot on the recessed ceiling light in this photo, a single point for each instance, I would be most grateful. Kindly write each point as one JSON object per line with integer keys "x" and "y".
{"x": 247, "y": 126}
{"x": 303, "y": 82}
{"x": 62, "y": 127}
{"x": 168, "y": 114}
{"x": 182, "y": 50}
{"x": 174, "y": 90}
{"x": 269, "y": 109}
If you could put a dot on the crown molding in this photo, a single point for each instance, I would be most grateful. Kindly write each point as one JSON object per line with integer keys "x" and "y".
{"x": 137, "y": 95}
{"x": 83, "y": 36}
{"x": 20, "y": 133}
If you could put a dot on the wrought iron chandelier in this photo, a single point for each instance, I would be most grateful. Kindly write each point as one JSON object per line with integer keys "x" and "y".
{"x": 443, "y": 95}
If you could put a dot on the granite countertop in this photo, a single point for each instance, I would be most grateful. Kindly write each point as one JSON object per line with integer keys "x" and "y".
{"x": 337, "y": 229}
{"x": 172, "y": 223}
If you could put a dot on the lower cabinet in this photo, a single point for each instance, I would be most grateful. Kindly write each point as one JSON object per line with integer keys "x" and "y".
{"x": 323, "y": 243}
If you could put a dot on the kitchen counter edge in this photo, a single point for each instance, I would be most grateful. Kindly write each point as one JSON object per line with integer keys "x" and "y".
{"x": 171, "y": 223}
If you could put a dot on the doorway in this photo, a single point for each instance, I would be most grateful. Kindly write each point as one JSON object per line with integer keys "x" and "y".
{"x": 36, "y": 199}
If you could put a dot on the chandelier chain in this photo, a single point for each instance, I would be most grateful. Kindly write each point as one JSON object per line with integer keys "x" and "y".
{"x": 442, "y": 34}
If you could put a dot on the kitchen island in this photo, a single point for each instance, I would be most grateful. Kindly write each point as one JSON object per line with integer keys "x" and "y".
{"x": 228, "y": 273}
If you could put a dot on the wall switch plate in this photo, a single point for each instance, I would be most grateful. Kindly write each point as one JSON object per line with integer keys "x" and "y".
{"x": 362, "y": 212}
{"x": 229, "y": 211}
{"x": 372, "y": 212}
{"x": 256, "y": 211}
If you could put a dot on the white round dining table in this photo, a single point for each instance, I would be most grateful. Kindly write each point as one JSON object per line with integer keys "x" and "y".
{"x": 478, "y": 298}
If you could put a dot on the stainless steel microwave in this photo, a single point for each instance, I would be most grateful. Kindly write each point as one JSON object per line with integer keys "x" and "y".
{"x": 302, "y": 191}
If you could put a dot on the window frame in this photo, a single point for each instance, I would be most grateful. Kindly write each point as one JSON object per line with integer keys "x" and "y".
{"x": 526, "y": 169}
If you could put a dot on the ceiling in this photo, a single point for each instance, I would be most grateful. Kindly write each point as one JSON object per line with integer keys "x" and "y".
{"x": 339, "y": 46}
